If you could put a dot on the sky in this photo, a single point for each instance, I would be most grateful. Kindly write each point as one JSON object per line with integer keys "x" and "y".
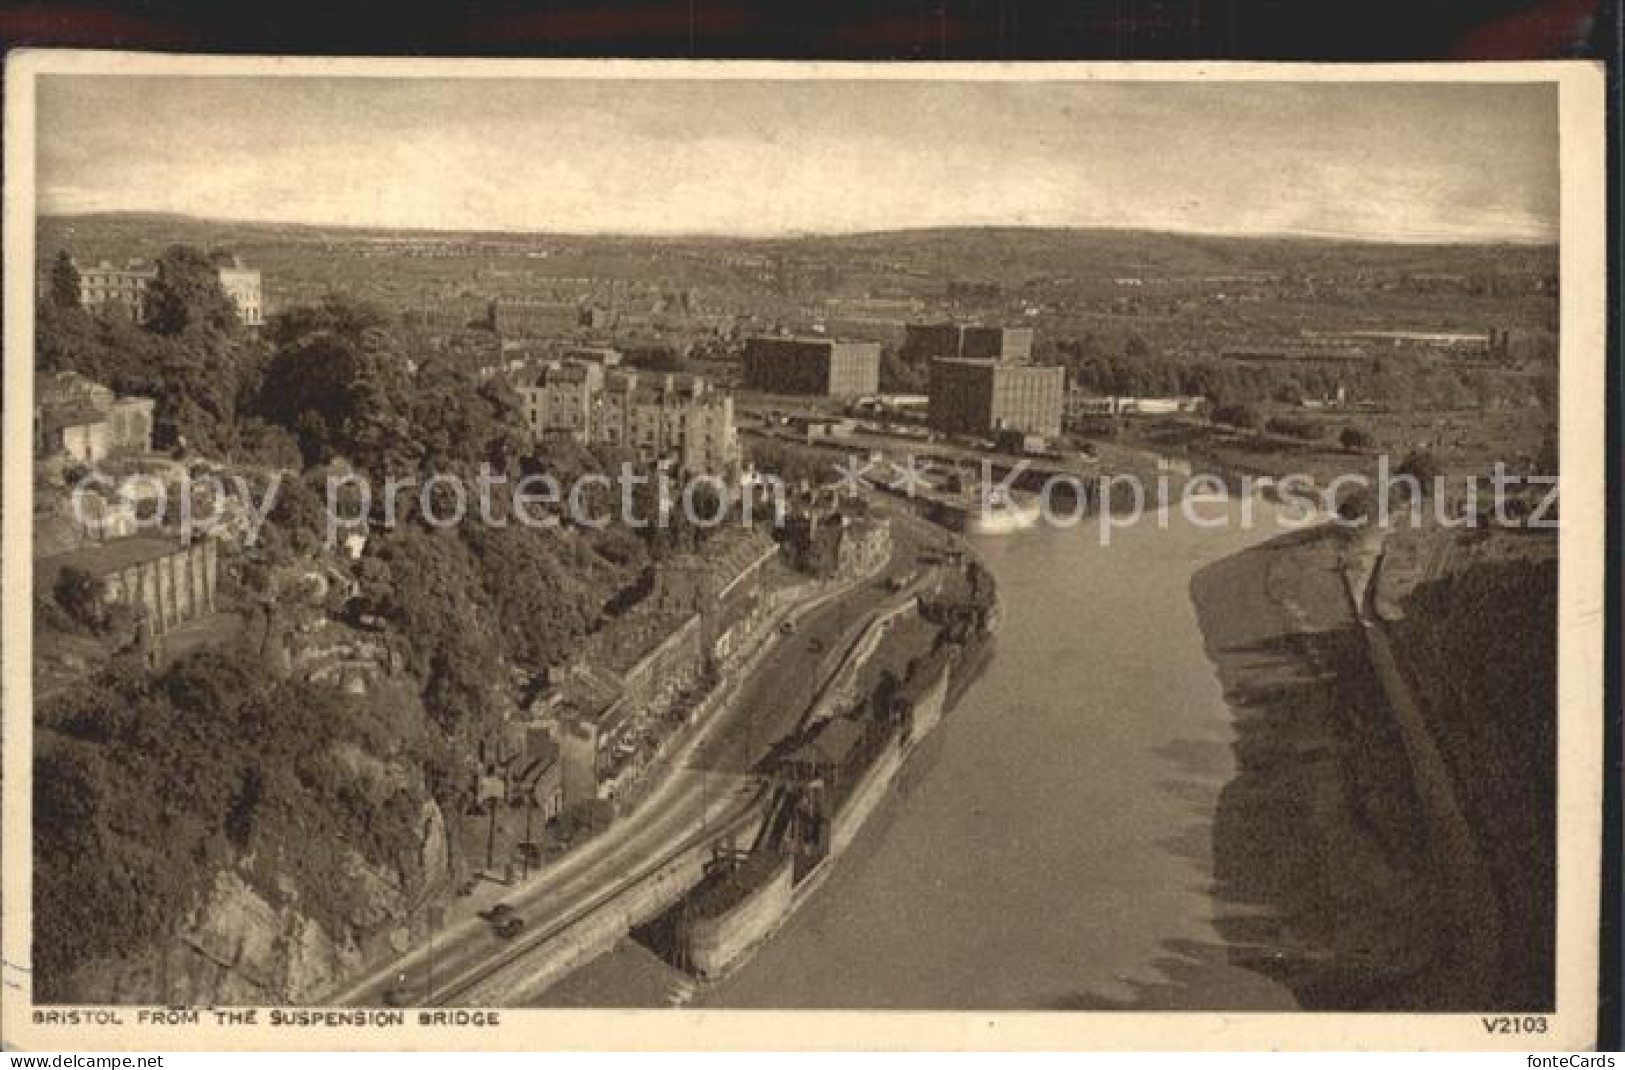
{"x": 1380, "y": 161}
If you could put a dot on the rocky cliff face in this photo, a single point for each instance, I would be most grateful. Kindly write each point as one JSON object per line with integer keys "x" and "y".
{"x": 351, "y": 660}
{"x": 249, "y": 944}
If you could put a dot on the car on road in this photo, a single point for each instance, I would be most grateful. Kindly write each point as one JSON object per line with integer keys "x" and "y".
{"x": 510, "y": 926}
{"x": 787, "y": 628}
{"x": 398, "y": 994}
{"x": 497, "y": 914}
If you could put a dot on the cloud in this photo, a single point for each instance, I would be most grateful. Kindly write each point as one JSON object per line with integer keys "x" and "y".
{"x": 1374, "y": 160}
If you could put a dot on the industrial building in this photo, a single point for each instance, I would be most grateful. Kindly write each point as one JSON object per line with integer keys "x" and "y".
{"x": 822, "y": 367}
{"x": 983, "y": 397}
{"x": 970, "y": 341}
{"x": 171, "y": 582}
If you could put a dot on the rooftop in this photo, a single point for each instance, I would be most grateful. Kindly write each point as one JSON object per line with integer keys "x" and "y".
{"x": 584, "y": 695}
{"x": 997, "y": 362}
{"x": 728, "y": 552}
{"x": 140, "y": 267}
{"x": 926, "y": 674}
{"x": 564, "y": 373}
{"x": 74, "y": 415}
{"x": 627, "y": 640}
{"x": 108, "y": 557}
{"x": 832, "y": 745}
{"x": 599, "y": 354}
{"x": 541, "y": 752}
{"x": 809, "y": 339}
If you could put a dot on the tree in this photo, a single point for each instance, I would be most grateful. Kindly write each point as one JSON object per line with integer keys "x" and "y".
{"x": 1239, "y": 415}
{"x": 1354, "y": 503}
{"x": 1287, "y": 392}
{"x": 436, "y": 597}
{"x": 267, "y": 445}
{"x": 1546, "y": 459}
{"x": 542, "y": 607}
{"x": 186, "y": 295}
{"x": 311, "y": 388}
{"x": 655, "y": 358}
{"x": 1354, "y": 439}
{"x": 1296, "y": 427}
{"x": 194, "y": 377}
{"x": 338, "y": 313}
{"x": 146, "y": 786}
{"x": 298, "y": 519}
{"x": 1422, "y": 466}
{"x": 64, "y": 282}
{"x": 900, "y": 375}
{"x": 77, "y": 592}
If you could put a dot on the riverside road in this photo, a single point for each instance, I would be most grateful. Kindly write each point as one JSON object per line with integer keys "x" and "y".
{"x": 705, "y": 784}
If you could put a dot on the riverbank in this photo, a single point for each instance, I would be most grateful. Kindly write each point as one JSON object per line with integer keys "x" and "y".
{"x": 633, "y": 975}
{"x": 1050, "y": 848}
{"x": 1319, "y": 833}
{"x": 892, "y": 690}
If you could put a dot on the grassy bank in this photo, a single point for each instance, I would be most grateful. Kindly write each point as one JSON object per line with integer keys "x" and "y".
{"x": 1316, "y": 842}
{"x": 1320, "y": 836}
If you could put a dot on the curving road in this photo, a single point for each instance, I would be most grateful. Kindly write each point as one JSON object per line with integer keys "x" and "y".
{"x": 707, "y": 783}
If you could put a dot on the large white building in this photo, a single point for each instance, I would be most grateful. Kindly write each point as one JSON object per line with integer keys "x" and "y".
{"x": 242, "y": 285}
{"x": 121, "y": 290}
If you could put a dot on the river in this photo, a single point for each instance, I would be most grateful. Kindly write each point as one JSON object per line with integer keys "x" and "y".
{"x": 1052, "y": 846}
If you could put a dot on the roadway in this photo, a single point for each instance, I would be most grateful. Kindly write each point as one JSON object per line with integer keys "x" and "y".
{"x": 707, "y": 782}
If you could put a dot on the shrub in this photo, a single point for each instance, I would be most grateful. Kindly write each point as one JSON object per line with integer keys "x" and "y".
{"x": 1296, "y": 427}
{"x": 1354, "y": 503}
{"x": 1355, "y": 439}
{"x": 1239, "y": 415}
{"x": 80, "y": 596}
{"x": 1423, "y": 466}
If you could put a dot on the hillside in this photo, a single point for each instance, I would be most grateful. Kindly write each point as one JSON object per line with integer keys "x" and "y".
{"x": 1008, "y": 255}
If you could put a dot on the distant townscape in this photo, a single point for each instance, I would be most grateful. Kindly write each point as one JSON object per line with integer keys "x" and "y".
{"x": 302, "y": 739}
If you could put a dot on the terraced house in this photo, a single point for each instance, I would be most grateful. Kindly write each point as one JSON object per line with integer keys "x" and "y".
{"x": 659, "y": 417}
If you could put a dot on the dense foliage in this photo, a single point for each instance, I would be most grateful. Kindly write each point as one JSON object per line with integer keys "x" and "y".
{"x": 1239, "y": 415}
{"x": 1296, "y": 427}
{"x": 193, "y": 375}
{"x": 145, "y": 785}
{"x": 186, "y": 297}
{"x": 64, "y": 281}
{"x": 1481, "y": 645}
{"x": 1355, "y": 439}
{"x": 148, "y": 784}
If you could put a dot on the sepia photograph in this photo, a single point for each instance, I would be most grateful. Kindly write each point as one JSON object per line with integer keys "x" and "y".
{"x": 504, "y": 543}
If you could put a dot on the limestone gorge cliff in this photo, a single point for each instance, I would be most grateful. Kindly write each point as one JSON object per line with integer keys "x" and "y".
{"x": 216, "y": 834}
{"x": 251, "y": 942}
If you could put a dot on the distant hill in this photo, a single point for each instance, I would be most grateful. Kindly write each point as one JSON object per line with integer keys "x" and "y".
{"x": 1000, "y": 254}
{"x": 1094, "y": 252}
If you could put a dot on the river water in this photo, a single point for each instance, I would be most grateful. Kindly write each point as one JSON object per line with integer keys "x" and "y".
{"x": 1052, "y": 845}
